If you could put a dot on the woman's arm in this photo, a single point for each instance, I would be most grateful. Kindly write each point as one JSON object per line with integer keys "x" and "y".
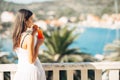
{"x": 38, "y": 44}
{"x": 32, "y": 51}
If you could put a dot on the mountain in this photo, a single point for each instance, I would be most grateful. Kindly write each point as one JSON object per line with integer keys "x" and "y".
{"x": 64, "y": 7}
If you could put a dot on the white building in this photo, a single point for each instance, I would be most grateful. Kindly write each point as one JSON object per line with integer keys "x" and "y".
{"x": 7, "y": 16}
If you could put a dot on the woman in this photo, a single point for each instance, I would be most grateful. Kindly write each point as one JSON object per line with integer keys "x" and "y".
{"x": 29, "y": 66}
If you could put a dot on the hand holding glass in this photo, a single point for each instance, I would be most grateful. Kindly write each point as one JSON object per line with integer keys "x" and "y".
{"x": 39, "y": 31}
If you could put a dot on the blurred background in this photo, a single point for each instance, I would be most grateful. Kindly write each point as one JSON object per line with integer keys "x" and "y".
{"x": 75, "y": 30}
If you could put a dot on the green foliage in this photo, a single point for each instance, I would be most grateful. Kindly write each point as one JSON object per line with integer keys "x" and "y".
{"x": 112, "y": 51}
{"x": 40, "y": 17}
{"x": 57, "y": 43}
{"x": 6, "y": 24}
{"x": 65, "y": 12}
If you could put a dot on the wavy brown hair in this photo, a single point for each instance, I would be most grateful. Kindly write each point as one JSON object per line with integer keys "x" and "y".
{"x": 20, "y": 26}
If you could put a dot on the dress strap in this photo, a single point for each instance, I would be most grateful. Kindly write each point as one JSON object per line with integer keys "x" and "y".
{"x": 23, "y": 39}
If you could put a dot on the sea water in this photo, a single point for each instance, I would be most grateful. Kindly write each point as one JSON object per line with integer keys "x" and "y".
{"x": 93, "y": 40}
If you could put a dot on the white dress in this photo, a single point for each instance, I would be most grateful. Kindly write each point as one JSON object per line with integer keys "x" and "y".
{"x": 27, "y": 71}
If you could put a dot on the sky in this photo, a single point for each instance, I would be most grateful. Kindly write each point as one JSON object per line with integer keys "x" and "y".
{"x": 26, "y": 1}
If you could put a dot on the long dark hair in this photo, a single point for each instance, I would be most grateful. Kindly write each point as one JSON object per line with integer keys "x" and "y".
{"x": 20, "y": 26}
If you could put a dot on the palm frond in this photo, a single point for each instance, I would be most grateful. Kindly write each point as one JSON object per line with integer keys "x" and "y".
{"x": 58, "y": 42}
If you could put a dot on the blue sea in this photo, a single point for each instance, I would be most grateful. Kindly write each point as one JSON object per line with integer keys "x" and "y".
{"x": 91, "y": 41}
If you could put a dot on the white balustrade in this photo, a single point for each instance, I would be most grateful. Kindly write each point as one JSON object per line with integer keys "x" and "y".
{"x": 98, "y": 67}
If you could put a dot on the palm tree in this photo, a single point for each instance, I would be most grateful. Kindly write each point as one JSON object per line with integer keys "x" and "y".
{"x": 57, "y": 43}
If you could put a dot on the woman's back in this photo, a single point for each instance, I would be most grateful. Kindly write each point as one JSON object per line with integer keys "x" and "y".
{"x": 22, "y": 51}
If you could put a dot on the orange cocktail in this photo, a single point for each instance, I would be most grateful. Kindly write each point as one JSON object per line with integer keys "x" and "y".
{"x": 40, "y": 33}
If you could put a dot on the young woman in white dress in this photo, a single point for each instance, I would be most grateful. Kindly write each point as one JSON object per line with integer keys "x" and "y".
{"x": 29, "y": 66}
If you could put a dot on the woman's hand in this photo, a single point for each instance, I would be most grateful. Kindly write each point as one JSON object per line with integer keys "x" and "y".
{"x": 40, "y": 37}
{"x": 39, "y": 42}
{"x": 34, "y": 30}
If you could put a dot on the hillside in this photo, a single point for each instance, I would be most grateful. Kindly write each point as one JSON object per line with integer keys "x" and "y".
{"x": 64, "y": 7}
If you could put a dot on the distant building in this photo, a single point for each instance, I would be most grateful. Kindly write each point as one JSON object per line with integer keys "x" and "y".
{"x": 7, "y": 16}
{"x": 63, "y": 20}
